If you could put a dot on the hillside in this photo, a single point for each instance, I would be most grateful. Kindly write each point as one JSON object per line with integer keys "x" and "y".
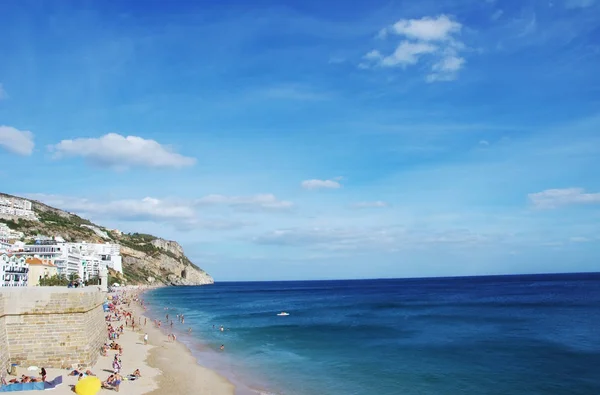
{"x": 147, "y": 259}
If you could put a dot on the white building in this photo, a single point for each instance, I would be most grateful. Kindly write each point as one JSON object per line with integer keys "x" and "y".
{"x": 13, "y": 270}
{"x": 9, "y": 234}
{"x": 17, "y": 207}
{"x": 5, "y": 244}
{"x": 84, "y": 259}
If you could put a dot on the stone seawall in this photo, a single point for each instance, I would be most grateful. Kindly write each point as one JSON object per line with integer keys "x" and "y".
{"x": 51, "y": 326}
{"x": 4, "y": 357}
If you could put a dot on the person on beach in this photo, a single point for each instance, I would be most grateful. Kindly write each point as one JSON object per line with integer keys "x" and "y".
{"x": 116, "y": 364}
{"x": 43, "y": 374}
{"x": 145, "y": 339}
{"x": 145, "y": 319}
{"x": 190, "y": 330}
{"x": 222, "y": 347}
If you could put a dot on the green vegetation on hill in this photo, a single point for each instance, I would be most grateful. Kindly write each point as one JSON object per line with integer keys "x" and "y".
{"x": 136, "y": 270}
{"x": 69, "y": 220}
{"x": 140, "y": 242}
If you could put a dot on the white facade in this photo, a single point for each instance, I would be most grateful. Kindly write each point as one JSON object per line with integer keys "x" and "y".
{"x": 83, "y": 259}
{"x": 5, "y": 244}
{"x": 17, "y": 207}
{"x": 13, "y": 270}
{"x": 9, "y": 234}
{"x": 109, "y": 254}
{"x": 55, "y": 253}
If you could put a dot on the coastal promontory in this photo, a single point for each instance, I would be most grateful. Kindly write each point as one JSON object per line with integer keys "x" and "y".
{"x": 147, "y": 259}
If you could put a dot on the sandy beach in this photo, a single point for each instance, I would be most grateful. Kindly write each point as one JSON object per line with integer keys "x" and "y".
{"x": 166, "y": 367}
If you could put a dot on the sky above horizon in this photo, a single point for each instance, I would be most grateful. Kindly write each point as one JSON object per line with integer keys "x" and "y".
{"x": 280, "y": 140}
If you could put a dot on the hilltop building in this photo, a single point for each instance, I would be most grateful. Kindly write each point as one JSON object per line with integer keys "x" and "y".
{"x": 16, "y": 207}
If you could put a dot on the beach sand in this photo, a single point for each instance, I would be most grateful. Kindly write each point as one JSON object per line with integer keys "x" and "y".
{"x": 166, "y": 367}
{"x": 181, "y": 373}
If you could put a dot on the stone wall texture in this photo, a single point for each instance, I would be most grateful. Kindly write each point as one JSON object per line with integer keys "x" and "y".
{"x": 51, "y": 327}
{"x": 4, "y": 357}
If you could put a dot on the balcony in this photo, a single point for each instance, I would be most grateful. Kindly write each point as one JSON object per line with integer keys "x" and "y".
{"x": 16, "y": 270}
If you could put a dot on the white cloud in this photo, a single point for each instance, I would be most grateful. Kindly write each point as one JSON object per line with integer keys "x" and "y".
{"x": 380, "y": 238}
{"x": 326, "y": 238}
{"x": 431, "y": 38}
{"x": 553, "y": 198}
{"x": 118, "y": 151}
{"x": 373, "y": 55}
{"x": 320, "y": 184}
{"x": 182, "y": 214}
{"x": 446, "y": 69}
{"x": 407, "y": 53}
{"x": 336, "y": 60}
{"x": 440, "y": 28}
{"x": 146, "y": 209}
{"x": 579, "y": 3}
{"x": 579, "y": 239}
{"x": 484, "y": 142}
{"x": 3, "y": 94}
{"x": 497, "y": 15}
{"x": 16, "y": 141}
{"x": 375, "y": 204}
{"x": 261, "y": 201}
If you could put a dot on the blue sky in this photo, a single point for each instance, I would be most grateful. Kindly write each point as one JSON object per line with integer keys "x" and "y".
{"x": 308, "y": 140}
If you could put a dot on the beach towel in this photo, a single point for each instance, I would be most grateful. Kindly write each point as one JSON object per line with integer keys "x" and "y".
{"x": 53, "y": 384}
{"x": 22, "y": 387}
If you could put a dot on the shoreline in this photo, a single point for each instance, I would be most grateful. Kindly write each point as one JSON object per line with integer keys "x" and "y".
{"x": 180, "y": 372}
{"x": 167, "y": 367}
{"x": 239, "y": 386}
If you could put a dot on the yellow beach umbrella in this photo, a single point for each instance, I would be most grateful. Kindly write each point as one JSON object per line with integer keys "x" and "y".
{"x": 89, "y": 385}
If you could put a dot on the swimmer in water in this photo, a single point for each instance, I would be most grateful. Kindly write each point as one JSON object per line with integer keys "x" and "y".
{"x": 222, "y": 347}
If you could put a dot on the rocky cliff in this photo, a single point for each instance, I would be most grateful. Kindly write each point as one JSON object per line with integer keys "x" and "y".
{"x": 147, "y": 259}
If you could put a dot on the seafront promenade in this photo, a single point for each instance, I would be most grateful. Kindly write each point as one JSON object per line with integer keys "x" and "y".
{"x": 166, "y": 367}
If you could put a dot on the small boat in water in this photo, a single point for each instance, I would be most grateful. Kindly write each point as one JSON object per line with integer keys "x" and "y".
{"x": 283, "y": 313}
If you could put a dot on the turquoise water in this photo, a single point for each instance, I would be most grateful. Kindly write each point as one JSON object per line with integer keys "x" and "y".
{"x": 479, "y": 335}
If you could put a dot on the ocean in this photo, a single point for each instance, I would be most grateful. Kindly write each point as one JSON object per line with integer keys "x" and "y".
{"x": 496, "y": 335}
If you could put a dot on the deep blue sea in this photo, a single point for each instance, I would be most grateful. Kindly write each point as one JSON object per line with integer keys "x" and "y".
{"x": 500, "y": 335}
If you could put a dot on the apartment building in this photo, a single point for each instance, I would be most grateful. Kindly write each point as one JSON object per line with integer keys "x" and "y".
{"x": 14, "y": 270}
{"x": 17, "y": 207}
{"x": 84, "y": 259}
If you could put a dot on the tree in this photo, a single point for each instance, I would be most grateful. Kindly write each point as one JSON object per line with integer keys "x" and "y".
{"x": 54, "y": 281}
{"x": 93, "y": 281}
{"x": 73, "y": 277}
